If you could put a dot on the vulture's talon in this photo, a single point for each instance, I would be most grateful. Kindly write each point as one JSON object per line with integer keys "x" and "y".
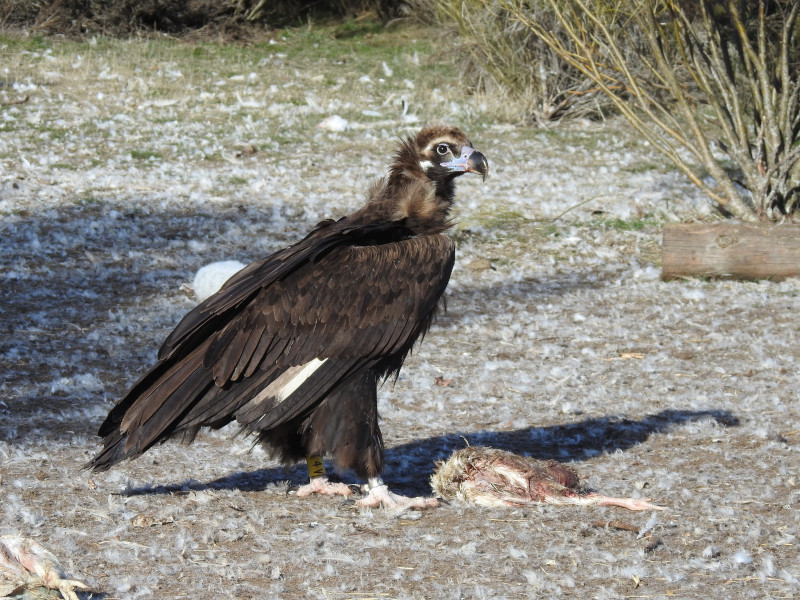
{"x": 380, "y": 495}
{"x": 322, "y": 485}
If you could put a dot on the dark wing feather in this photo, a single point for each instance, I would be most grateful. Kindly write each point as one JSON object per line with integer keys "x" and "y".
{"x": 240, "y": 289}
{"x": 365, "y": 316}
{"x": 358, "y": 311}
{"x": 328, "y": 297}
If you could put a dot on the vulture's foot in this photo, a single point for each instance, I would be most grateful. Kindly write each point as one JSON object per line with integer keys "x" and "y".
{"x": 378, "y": 494}
{"x": 35, "y": 567}
{"x": 629, "y": 503}
{"x": 321, "y": 485}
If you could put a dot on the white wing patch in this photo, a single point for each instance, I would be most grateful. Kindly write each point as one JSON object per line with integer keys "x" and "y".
{"x": 295, "y": 382}
{"x": 288, "y": 382}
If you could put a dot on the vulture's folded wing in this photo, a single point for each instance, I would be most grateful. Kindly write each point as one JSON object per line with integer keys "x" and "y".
{"x": 361, "y": 307}
{"x": 281, "y": 334}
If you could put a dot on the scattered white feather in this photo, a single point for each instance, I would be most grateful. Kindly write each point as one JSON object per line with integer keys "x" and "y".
{"x": 407, "y": 117}
{"x": 334, "y": 123}
{"x": 648, "y": 527}
{"x": 210, "y": 278}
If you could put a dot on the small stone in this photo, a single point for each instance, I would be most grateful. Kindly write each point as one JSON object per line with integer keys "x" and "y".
{"x": 479, "y": 264}
{"x": 142, "y": 521}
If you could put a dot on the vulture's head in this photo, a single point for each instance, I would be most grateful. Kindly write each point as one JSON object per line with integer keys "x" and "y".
{"x": 440, "y": 154}
{"x": 421, "y": 184}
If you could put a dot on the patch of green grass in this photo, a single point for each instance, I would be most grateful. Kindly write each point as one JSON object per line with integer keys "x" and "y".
{"x": 642, "y": 168}
{"x": 33, "y": 43}
{"x": 644, "y": 222}
{"x": 504, "y": 225}
{"x": 53, "y": 133}
{"x": 145, "y": 154}
{"x": 503, "y": 219}
{"x": 357, "y": 28}
{"x": 359, "y": 45}
{"x": 550, "y": 230}
{"x": 494, "y": 220}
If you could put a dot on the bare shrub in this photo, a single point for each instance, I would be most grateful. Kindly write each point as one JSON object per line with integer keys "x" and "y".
{"x": 509, "y": 61}
{"x": 38, "y": 15}
{"x": 176, "y": 16}
{"x": 713, "y": 82}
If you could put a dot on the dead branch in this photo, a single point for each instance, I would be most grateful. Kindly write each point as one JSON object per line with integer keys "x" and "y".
{"x": 14, "y": 102}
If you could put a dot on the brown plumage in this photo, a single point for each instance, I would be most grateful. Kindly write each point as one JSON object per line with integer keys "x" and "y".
{"x": 294, "y": 345}
{"x": 492, "y": 477}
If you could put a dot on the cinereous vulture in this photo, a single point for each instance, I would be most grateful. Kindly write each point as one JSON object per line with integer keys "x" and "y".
{"x": 293, "y": 346}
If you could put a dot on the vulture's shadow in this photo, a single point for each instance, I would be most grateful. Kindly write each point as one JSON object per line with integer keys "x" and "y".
{"x": 408, "y": 466}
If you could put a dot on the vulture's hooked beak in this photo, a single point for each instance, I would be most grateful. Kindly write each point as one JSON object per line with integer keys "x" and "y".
{"x": 470, "y": 161}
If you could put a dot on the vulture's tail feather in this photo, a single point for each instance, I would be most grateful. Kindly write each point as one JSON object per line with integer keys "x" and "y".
{"x": 153, "y": 410}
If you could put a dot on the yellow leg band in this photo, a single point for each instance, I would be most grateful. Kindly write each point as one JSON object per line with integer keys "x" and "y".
{"x": 316, "y": 466}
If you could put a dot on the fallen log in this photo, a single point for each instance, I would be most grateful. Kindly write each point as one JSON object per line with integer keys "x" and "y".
{"x": 730, "y": 250}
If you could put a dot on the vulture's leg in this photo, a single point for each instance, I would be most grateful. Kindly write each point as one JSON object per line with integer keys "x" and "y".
{"x": 319, "y": 483}
{"x": 378, "y": 494}
{"x": 346, "y": 425}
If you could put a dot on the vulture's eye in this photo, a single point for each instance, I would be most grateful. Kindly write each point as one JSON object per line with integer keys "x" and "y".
{"x": 442, "y": 149}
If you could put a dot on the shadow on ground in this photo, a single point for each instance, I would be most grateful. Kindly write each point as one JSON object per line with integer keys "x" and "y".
{"x": 409, "y": 466}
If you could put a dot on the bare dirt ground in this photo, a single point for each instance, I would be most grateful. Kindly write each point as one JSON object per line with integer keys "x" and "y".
{"x": 124, "y": 166}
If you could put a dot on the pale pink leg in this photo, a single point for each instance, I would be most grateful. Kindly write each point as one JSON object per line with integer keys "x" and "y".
{"x": 321, "y": 485}
{"x": 379, "y": 495}
{"x": 30, "y": 561}
{"x": 601, "y": 500}
{"x": 629, "y": 503}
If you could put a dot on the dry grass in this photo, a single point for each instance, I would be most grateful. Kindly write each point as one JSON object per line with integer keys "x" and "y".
{"x": 235, "y": 20}
{"x": 287, "y": 81}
